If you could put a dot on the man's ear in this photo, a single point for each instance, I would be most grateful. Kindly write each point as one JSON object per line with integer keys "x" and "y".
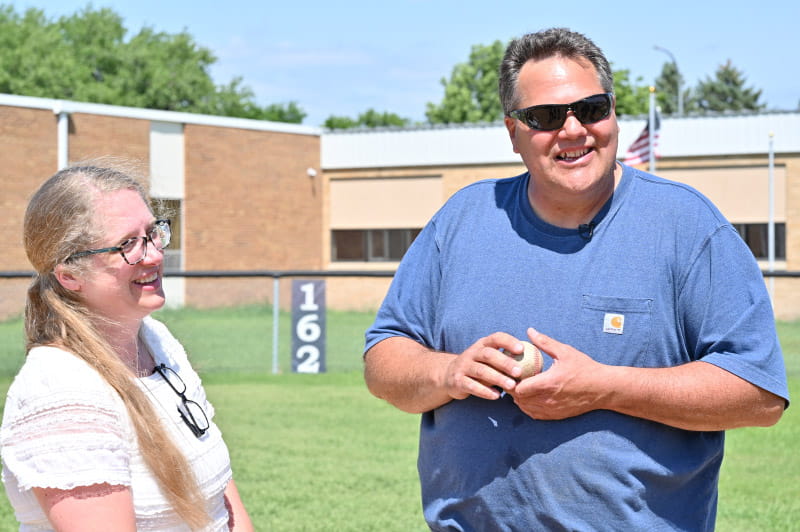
{"x": 511, "y": 126}
{"x": 66, "y": 278}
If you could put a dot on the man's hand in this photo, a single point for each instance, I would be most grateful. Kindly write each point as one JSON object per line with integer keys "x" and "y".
{"x": 483, "y": 368}
{"x": 572, "y": 386}
{"x": 692, "y": 396}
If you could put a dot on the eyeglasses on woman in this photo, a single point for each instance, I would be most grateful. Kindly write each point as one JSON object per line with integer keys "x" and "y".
{"x": 134, "y": 250}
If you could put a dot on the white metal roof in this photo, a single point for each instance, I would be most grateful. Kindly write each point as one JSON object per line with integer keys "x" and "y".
{"x": 722, "y": 134}
{"x": 426, "y": 146}
{"x": 710, "y": 135}
{"x": 66, "y": 106}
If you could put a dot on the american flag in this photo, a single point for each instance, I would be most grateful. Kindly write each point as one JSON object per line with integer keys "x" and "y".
{"x": 639, "y": 151}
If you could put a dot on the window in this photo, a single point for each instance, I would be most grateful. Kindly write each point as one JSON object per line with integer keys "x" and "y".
{"x": 371, "y": 245}
{"x": 171, "y": 208}
{"x": 756, "y": 237}
{"x": 348, "y": 245}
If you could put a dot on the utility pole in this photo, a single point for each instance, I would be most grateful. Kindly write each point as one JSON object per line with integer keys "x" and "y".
{"x": 680, "y": 78}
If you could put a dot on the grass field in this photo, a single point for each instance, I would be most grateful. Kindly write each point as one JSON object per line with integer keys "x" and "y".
{"x": 318, "y": 452}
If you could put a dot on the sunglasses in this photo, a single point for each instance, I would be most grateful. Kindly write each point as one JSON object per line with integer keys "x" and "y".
{"x": 550, "y": 117}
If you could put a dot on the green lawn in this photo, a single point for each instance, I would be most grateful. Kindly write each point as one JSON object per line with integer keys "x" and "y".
{"x": 318, "y": 452}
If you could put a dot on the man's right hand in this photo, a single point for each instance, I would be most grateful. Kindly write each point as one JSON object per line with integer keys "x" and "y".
{"x": 416, "y": 379}
{"x": 483, "y": 368}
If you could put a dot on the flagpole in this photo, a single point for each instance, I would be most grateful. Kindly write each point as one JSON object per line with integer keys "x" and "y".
{"x": 651, "y": 127}
{"x": 771, "y": 219}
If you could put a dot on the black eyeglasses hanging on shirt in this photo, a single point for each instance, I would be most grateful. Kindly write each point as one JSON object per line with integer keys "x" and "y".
{"x": 191, "y": 413}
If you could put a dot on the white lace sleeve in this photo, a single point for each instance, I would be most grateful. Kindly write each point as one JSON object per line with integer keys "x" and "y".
{"x": 64, "y": 426}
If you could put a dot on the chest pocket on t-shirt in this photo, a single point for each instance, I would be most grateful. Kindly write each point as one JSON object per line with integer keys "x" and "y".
{"x": 616, "y": 330}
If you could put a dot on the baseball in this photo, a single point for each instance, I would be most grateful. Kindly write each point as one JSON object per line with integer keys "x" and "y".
{"x": 530, "y": 359}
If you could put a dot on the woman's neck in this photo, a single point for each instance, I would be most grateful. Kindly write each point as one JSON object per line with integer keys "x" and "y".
{"x": 129, "y": 347}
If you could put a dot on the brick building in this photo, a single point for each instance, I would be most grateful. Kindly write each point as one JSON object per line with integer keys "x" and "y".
{"x": 239, "y": 190}
{"x": 383, "y": 182}
{"x": 255, "y": 195}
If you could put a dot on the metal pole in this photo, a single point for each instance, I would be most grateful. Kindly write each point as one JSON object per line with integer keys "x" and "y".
{"x": 771, "y": 224}
{"x": 62, "y": 129}
{"x": 771, "y": 218}
{"x": 276, "y": 297}
{"x": 680, "y": 78}
{"x": 651, "y": 126}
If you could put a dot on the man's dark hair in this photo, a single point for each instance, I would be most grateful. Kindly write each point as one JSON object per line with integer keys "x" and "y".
{"x": 542, "y": 45}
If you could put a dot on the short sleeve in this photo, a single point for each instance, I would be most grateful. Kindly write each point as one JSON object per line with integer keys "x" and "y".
{"x": 64, "y": 426}
{"x": 727, "y": 313}
{"x": 409, "y": 306}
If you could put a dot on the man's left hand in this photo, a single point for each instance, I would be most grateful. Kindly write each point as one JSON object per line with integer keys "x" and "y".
{"x": 573, "y": 385}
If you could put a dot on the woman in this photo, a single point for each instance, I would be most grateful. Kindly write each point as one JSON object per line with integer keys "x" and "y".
{"x": 106, "y": 426}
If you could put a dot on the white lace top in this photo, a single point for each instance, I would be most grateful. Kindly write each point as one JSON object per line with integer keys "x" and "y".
{"x": 64, "y": 427}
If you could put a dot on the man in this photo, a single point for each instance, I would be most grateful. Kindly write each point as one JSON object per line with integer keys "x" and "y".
{"x": 653, "y": 314}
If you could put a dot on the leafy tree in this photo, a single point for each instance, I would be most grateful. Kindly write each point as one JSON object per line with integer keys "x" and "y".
{"x": 85, "y": 57}
{"x": 470, "y": 95}
{"x": 236, "y": 100}
{"x": 369, "y": 118}
{"x": 725, "y": 92}
{"x": 340, "y": 122}
{"x": 372, "y": 118}
{"x": 284, "y": 112}
{"x": 667, "y": 84}
{"x": 632, "y": 99}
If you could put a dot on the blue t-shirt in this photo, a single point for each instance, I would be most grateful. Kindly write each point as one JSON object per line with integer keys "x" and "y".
{"x": 683, "y": 286}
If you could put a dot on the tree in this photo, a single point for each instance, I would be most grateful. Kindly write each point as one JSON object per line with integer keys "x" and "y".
{"x": 372, "y": 118}
{"x": 470, "y": 95}
{"x": 668, "y": 83}
{"x": 632, "y": 99}
{"x": 85, "y": 57}
{"x": 236, "y": 100}
{"x": 369, "y": 118}
{"x": 726, "y": 92}
{"x": 340, "y": 122}
{"x": 284, "y": 112}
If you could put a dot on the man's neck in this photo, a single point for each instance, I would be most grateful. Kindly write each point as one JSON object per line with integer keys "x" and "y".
{"x": 568, "y": 209}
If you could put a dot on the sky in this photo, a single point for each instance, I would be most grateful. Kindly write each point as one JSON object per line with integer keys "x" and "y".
{"x": 344, "y": 57}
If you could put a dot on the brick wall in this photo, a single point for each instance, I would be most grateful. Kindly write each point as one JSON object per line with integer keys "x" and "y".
{"x": 28, "y": 155}
{"x": 792, "y": 212}
{"x": 96, "y": 136}
{"x": 249, "y": 205}
{"x": 785, "y": 297}
{"x": 28, "y": 151}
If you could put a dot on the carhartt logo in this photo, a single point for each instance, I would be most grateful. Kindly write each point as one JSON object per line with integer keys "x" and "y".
{"x": 613, "y": 323}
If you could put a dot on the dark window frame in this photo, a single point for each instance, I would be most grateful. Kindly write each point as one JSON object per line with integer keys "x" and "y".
{"x": 371, "y": 245}
{"x": 756, "y": 237}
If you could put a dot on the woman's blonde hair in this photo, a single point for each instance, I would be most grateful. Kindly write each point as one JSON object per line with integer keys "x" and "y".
{"x": 59, "y": 221}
